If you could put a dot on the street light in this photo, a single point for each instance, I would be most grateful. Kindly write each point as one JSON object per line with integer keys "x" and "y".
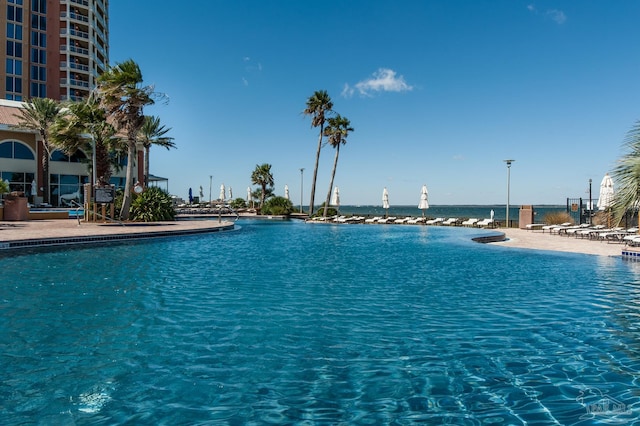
{"x": 210, "y": 180}
{"x": 508, "y": 186}
{"x": 590, "y": 203}
{"x": 301, "y": 186}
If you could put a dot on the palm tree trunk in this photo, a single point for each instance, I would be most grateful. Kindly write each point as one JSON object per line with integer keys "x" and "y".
{"x": 146, "y": 166}
{"x": 315, "y": 173}
{"x": 128, "y": 183}
{"x": 333, "y": 175}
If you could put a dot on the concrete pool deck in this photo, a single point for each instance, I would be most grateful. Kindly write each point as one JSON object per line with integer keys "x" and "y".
{"x": 59, "y": 232}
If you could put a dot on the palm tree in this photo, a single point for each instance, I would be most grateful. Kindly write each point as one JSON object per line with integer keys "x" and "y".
{"x": 39, "y": 114}
{"x": 318, "y": 106}
{"x": 123, "y": 97}
{"x": 627, "y": 176}
{"x": 153, "y": 133}
{"x": 76, "y": 121}
{"x": 262, "y": 176}
{"x": 337, "y": 130}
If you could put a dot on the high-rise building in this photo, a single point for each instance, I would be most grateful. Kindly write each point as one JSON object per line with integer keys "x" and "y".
{"x": 53, "y": 48}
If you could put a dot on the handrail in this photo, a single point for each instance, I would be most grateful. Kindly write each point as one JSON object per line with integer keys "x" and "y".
{"x": 95, "y": 213}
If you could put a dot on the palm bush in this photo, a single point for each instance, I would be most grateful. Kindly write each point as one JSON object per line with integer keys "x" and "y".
{"x": 238, "y": 203}
{"x": 153, "y": 205}
{"x": 277, "y": 206}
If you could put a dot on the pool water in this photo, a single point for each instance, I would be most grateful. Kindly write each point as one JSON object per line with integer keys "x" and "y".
{"x": 293, "y": 323}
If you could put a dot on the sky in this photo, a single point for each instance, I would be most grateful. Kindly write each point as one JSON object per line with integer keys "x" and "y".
{"x": 437, "y": 92}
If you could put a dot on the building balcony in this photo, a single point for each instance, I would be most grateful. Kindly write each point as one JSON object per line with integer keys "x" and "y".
{"x": 74, "y": 49}
{"x": 74, "y": 83}
{"x": 75, "y": 33}
{"x": 74, "y": 66}
{"x": 74, "y": 16}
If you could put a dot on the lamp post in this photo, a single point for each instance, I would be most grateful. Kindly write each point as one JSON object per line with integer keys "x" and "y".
{"x": 301, "y": 186}
{"x": 508, "y": 187}
{"x": 210, "y": 181}
{"x": 590, "y": 203}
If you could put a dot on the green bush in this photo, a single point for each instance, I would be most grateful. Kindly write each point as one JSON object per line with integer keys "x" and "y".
{"x": 238, "y": 203}
{"x": 277, "y": 206}
{"x": 153, "y": 205}
{"x": 331, "y": 211}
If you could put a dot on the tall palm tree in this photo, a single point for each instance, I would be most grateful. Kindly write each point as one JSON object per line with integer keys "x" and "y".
{"x": 318, "y": 107}
{"x": 153, "y": 133}
{"x": 627, "y": 177}
{"x": 39, "y": 114}
{"x": 76, "y": 121}
{"x": 337, "y": 130}
{"x": 262, "y": 176}
{"x": 123, "y": 97}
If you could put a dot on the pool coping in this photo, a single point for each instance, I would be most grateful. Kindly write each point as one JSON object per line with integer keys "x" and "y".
{"x": 59, "y": 233}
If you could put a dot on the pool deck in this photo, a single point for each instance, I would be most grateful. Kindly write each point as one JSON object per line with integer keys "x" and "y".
{"x": 60, "y": 232}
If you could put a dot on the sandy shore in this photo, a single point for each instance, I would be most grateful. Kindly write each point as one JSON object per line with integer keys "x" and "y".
{"x": 544, "y": 241}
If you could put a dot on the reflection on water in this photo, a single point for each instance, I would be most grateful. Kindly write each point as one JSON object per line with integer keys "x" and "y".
{"x": 294, "y": 323}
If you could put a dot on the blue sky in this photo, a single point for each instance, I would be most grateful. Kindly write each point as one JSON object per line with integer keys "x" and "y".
{"x": 438, "y": 92}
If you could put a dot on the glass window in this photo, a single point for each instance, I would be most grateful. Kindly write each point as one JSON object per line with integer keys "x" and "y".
{"x": 78, "y": 157}
{"x": 11, "y": 13}
{"x": 34, "y": 55}
{"x": 34, "y": 90}
{"x": 18, "y": 14}
{"x": 18, "y": 69}
{"x": 43, "y": 57}
{"x": 9, "y": 66}
{"x": 43, "y": 23}
{"x": 58, "y": 155}
{"x": 22, "y": 152}
{"x": 43, "y": 40}
{"x": 42, "y": 93}
{"x": 18, "y": 85}
{"x": 18, "y": 52}
{"x": 18, "y": 32}
{"x": 11, "y": 30}
{"x": 42, "y": 74}
{"x": 9, "y": 84}
{"x": 6, "y": 150}
{"x": 34, "y": 22}
{"x": 9, "y": 48}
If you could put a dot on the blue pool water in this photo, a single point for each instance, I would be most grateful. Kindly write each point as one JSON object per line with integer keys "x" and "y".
{"x": 294, "y": 323}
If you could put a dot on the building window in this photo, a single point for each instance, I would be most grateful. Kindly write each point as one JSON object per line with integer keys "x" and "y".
{"x": 19, "y": 181}
{"x": 77, "y": 157}
{"x": 15, "y": 150}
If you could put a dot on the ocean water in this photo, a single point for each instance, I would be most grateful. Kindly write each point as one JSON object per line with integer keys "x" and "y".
{"x": 285, "y": 322}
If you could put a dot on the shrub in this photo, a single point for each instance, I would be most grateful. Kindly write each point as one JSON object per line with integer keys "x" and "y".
{"x": 555, "y": 218}
{"x": 153, "y": 205}
{"x": 277, "y": 206}
{"x": 238, "y": 203}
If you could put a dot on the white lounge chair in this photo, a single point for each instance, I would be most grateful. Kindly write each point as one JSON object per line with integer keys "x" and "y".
{"x": 435, "y": 221}
{"x": 452, "y": 221}
{"x": 372, "y": 219}
{"x": 485, "y": 223}
{"x": 470, "y": 222}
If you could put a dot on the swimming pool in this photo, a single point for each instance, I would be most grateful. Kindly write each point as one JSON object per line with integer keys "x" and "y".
{"x": 287, "y": 322}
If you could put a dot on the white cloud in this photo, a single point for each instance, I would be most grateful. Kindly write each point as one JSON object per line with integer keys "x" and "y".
{"x": 383, "y": 80}
{"x": 554, "y": 14}
{"x": 557, "y": 15}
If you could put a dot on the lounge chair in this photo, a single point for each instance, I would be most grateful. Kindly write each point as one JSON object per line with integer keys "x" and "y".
{"x": 485, "y": 223}
{"x": 372, "y": 219}
{"x": 415, "y": 220}
{"x": 401, "y": 220}
{"x": 470, "y": 222}
{"x": 554, "y": 226}
{"x": 452, "y": 221}
{"x": 436, "y": 221}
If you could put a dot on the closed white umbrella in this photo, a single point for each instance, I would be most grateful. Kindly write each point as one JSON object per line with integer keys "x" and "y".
{"x": 335, "y": 199}
{"x": 424, "y": 199}
{"x": 248, "y": 194}
{"x": 385, "y": 200}
{"x": 606, "y": 193}
{"x": 491, "y": 214}
{"x": 286, "y": 192}
{"x": 222, "y": 197}
{"x": 230, "y": 193}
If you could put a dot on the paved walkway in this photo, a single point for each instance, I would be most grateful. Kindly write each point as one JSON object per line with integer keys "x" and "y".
{"x": 45, "y": 233}
{"x": 544, "y": 241}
